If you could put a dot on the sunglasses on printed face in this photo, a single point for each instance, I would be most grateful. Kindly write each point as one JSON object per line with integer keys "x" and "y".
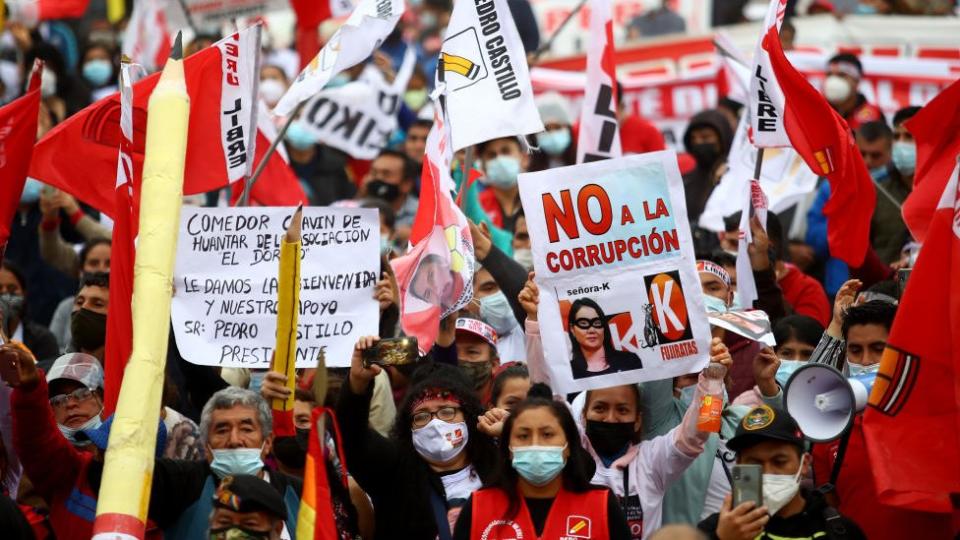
{"x": 586, "y": 324}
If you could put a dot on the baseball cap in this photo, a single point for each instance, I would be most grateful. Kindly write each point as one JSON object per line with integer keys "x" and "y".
{"x": 101, "y": 435}
{"x": 554, "y": 108}
{"x": 478, "y": 328}
{"x": 246, "y": 493}
{"x": 80, "y": 367}
{"x": 765, "y": 423}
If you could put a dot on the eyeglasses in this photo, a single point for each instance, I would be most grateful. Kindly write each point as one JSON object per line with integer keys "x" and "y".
{"x": 446, "y": 414}
{"x": 79, "y": 395}
{"x": 584, "y": 324}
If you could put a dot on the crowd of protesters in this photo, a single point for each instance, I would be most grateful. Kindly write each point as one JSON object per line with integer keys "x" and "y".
{"x": 471, "y": 441}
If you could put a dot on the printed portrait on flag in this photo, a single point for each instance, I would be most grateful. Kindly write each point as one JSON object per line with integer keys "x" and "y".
{"x": 620, "y": 298}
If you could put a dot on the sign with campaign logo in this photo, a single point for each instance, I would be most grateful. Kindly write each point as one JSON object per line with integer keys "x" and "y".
{"x": 620, "y": 297}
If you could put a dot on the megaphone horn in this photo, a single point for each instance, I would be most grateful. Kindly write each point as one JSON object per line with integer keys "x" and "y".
{"x": 823, "y": 402}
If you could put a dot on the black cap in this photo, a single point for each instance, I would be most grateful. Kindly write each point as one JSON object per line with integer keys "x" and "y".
{"x": 246, "y": 493}
{"x": 765, "y": 423}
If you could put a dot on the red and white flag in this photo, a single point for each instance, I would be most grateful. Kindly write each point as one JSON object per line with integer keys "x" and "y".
{"x": 912, "y": 425}
{"x": 18, "y": 131}
{"x": 79, "y": 155}
{"x": 148, "y": 38}
{"x": 826, "y": 144}
{"x": 435, "y": 276}
{"x": 277, "y": 185}
{"x": 599, "y": 136}
{"x": 754, "y": 204}
{"x": 934, "y": 130}
{"x": 119, "y": 342}
{"x": 30, "y": 12}
{"x": 766, "y": 100}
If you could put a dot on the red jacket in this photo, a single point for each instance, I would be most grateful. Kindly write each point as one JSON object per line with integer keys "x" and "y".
{"x": 805, "y": 295}
{"x": 861, "y": 114}
{"x": 58, "y": 470}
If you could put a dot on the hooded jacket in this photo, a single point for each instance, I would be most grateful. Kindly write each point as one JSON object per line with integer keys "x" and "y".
{"x": 698, "y": 183}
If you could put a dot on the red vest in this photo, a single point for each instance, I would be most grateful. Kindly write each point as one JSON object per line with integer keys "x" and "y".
{"x": 573, "y": 516}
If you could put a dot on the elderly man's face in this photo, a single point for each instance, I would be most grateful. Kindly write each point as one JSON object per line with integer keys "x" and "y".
{"x": 258, "y": 522}
{"x": 73, "y": 404}
{"x": 237, "y": 427}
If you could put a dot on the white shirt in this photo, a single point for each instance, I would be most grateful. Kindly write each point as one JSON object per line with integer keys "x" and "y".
{"x": 512, "y": 347}
{"x": 460, "y": 485}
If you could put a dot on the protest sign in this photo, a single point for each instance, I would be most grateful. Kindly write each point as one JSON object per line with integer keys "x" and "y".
{"x": 614, "y": 262}
{"x": 211, "y": 12}
{"x": 753, "y": 325}
{"x": 224, "y": 309}
{"x": 357, "y": 118}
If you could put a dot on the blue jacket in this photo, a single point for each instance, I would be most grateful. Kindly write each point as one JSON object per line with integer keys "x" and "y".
{"x": 835, "y": 271}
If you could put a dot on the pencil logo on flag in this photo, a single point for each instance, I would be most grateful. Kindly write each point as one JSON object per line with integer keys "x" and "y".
{"x": 460, "y": 65}
{"x": 825, "y": 160}
{"x": 466, "y": 46}
{"x": 895, "y": 380}
{"x": 578, "y": 527}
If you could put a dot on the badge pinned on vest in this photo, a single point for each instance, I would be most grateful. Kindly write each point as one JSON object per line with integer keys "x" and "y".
{"x": 578, "y": 527}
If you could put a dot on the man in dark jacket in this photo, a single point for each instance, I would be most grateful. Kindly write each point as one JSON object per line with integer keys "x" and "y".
{"x": 770, "y": 438}
{"x": 707, "y": 139}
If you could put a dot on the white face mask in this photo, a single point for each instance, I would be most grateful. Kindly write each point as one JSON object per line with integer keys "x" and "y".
{"x": 71, "y": 433}
{"x": 780, "y": 489}
{"x": 48, "y": 83}
{"x": 524, "y": 258}
{"x": 439, "y": 441}
{"x": 271, "y": 90}
{"x": 836, "y": 89}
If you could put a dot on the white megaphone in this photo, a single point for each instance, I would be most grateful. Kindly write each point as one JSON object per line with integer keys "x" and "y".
{"x": 824, "y": 402}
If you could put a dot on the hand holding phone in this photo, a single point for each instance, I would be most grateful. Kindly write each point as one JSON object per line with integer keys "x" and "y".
{"x": 392, "y": 352}
{"x": 747, "y": 484}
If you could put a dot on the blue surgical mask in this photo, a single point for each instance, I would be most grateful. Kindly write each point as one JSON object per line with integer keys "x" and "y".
{"x": 338, "y": 80}
{"x": 714, "y": 304}
{"x": 502, "y": 171}
{"x": 298, "y": 136}
{"x": 786, "y": 369}
{"x": 97, "y": 72}
{"x": 228, "y": 461}
{"x": 495, "y": 310}
{"x": 386, "y": 246}
{"x": 879, "y": 173}
{"x": 538, "y": 465}
{"x": 686, "y": 395}
{"x": 31, "y": 191}
{"x": 864, "y": 9}
{"x": 856, "y": 369}
{"x": 905, "y": 156}
{"x": 735, "y": 304}
{"x": 554, "y": 142}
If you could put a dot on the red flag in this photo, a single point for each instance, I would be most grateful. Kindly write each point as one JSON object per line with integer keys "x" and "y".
{"x": 912, "y": 426}
{"x": 147, "y": 38}
{"x": 824, "y": 141}
{"x": 29, "y": 12}
{"x": 18, "y": 131}
{"x": 436, "y": 276}
{"x": 935, "y": 130}
{"x": 79, "y": 155}
{"x": 119, "y": 342}
{"x": 277, "y": 185}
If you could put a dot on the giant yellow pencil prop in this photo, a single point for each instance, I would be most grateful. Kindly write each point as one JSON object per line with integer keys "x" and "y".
{"x": 288, "y": 307}
{"x": 128, "y": 470}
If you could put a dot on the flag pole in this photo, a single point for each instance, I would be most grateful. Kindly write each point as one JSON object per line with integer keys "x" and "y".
{"x": 129, "y": 461}
{"x": 546, "y": 46}
{"x": 886, "y": 194}
{"x": 245, "y": 197}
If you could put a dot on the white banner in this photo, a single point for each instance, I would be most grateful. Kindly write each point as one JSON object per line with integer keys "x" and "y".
{"x": 212, "y": 12}
{"x": 484, "y": 69}
{"x": 225, "y": 300}
{"x": 363, "y": 32}
{"x": 599, "y": 136}
{"x": 356, "y": 118}
{"x": 785, "y": 180}
{"x": 620, "y": 297}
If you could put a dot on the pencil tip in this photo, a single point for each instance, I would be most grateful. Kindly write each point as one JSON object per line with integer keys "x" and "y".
{"x": 176, "y": 51}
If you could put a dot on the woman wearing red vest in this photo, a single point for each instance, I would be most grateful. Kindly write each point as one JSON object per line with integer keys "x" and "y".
{"x": 546, "y": 494}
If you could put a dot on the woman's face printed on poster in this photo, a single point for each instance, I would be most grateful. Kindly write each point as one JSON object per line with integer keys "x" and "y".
{"x": 588, "y": 329}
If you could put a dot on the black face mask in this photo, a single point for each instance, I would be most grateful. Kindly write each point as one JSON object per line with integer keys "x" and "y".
{"x": 383, "y": 190}
{"x": 609, "y": 438}
{"x": 478, "y": 372}
{"x": 89, "y": 329}
{"x": 292, "y": 451}
{"x": 705, "y": 154}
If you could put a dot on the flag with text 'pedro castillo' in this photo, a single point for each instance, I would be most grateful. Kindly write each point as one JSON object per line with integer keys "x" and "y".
{"x": 483, "y": 68}
{"x": 435, "y": 276}
{"x": 599, "y": 136}
{"x": 18, "y": 131}
{"x": 935, "y": 130}
{"x": 912, "y": 426}
{"x": 824, "y": 141}
{"x": 79, "y": 155}
{"x": 766, "y": 103}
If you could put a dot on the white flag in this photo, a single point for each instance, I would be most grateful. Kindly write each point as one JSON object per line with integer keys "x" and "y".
{"x": 147, "y": 38}
{"x": 599, "y": 133}
{"x": 366, "y": 28}
{"x": 754, "y": 203}
{"x": 484, "y": 68}
{"x": 766, "y": 104}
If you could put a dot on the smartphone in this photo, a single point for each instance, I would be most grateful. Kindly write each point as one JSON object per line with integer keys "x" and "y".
{"x": 747, "y": 484}
{"x": 392, "y": 352}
